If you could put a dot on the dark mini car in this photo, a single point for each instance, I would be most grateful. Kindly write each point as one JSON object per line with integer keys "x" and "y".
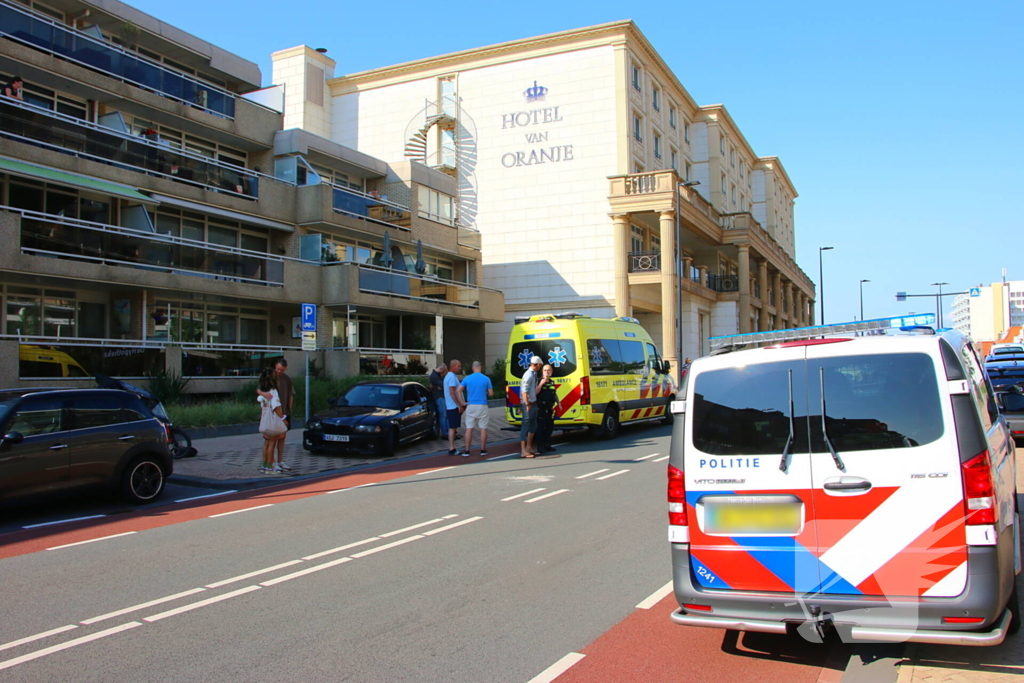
{"x": 373, "y": 418}
{"x": 58, "y": 441}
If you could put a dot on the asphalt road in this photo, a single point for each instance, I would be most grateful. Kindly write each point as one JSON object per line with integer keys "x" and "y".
{"x": 481, "y": 571}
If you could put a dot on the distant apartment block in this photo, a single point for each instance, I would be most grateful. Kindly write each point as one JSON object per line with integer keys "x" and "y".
{"x": 986, "y": 312}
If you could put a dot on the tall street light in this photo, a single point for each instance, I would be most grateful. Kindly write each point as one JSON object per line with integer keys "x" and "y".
{"x": 938, "y": 301}
{"x": 821, "y": 284}
{"x": 862, "y": 298}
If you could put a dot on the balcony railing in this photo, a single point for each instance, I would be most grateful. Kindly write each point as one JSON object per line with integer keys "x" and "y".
{"x": 371, "y": 207}
{"x": 723, "y": 283}
{"x": 40, "y": 126}
{"x": 77, "y": 240}
{"x": 642, "y": 261}
{"x": 76, "y": 46}
{"x": 374, "y": 280}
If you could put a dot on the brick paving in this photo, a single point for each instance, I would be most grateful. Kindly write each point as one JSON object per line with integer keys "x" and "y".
{"x": 237, "y": 459}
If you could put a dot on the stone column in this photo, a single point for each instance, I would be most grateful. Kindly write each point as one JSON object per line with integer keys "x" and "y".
{"x": 687, "y": 267}
{"x": 801, "y": 318}
{"x": 669, "y": 291}
{"x": 744, "y": 288}
{"x": 777, "y": 289}
{"x": 789, "y": 303}
{"x": 703, "y": 270}
{"x": 762, "y": 282}
{"x": 620, "y": 231}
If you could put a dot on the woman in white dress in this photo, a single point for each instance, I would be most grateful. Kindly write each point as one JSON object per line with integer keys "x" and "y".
{"x": 268, "y": 385}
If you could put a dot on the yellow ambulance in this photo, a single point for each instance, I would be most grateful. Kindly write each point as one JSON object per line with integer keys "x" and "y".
{"x": 608, "y": 371}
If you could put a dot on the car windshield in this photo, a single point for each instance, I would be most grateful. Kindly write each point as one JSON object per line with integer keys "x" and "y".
{"x": 374, "y": 396}
{"x": 5, "y": 409}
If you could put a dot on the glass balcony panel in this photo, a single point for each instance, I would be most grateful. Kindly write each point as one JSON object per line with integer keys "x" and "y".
{"x": 370, "y": 207}
{"x": 29, "y": 123}
{"x": 382, "y": 281}
{"x": 79, "y": 47}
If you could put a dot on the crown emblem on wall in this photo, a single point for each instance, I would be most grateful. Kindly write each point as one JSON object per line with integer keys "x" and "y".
{"x": 536, "y": 93}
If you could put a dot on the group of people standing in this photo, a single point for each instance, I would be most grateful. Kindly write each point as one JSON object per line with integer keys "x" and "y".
{"x": 538, "y": 398}
{"x": 461, "y": 402}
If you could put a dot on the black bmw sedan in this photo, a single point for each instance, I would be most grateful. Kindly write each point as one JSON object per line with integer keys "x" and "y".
{"x": 373, "y": 418}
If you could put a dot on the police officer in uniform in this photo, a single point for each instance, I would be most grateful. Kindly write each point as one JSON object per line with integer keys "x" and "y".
{"x": 547, "y": 399}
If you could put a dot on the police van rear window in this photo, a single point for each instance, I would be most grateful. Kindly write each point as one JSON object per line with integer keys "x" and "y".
{"x": 560, "y": 354}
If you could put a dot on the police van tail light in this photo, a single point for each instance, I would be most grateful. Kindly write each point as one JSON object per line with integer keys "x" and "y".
{"x": 979, "y": 490}
{"x": 676, "y": 497}
{"x": 585, "y": 397}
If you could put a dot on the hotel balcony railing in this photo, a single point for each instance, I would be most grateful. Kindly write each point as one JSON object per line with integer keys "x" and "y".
{"x": 371, "y": 207}
{"x": 100, "y": 55}
{"x": 722, "y": 283}
{"x": 40, "y": 126}
{"x": 377, "y": 280}
{"x": 643, "y": 261}
{"x": 67, "y": 238}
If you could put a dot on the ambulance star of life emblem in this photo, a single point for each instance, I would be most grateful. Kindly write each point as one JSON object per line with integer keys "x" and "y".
{"x": 557, "y": 356}
{"x": 524, "y": 358}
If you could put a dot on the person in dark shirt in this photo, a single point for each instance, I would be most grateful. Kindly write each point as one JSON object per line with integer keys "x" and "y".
{"x": 437, "y": 393}
{"x": 547, "y": 399}
{"x": 14, "y": 87}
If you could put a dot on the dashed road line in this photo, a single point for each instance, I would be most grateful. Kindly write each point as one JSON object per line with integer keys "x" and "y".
{"x": 235, "y": 512}
{"x": 523, "y": 495}
{"x": 388, "y": 546}
{"x": 558, "y": 668}
{"x": 440, "y": 469}
{"x": 342, "y": 547}
{"x": 410, "y": 528}
{"x": 243, "y": 577}
{"x": 503, "y": 457}
{"x": 613, "y": 474}
{"x": 38, "y": 636}
{"x": 69, "y": 644}
{"x": 208, "y": 495}
{"x": 350, "y": 488}
{"x": 451, "y": 526}
{"x": 144, "y": 605}
{"x": 304, "y": 572}
{"x": 590, "y": 474}
{"x": 202, "y": 603}
{"x": 62, "y": 521}
{"x": 646, "y": 457}
{"x": 546, "y": 495}
{"x": 661, "y": 459}
{"x": 92, "y": 540}
{"x": 655, "y": 597}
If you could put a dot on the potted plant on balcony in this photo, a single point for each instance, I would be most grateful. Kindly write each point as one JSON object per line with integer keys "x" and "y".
{"x": 129, "y": 34}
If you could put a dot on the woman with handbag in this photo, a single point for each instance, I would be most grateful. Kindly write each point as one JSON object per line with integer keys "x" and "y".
{"x": 272, "y": 425}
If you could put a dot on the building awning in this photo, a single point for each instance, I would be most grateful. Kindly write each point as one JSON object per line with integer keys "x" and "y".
{"x": 64, "y": 178}
{"x": 225, "y": 213}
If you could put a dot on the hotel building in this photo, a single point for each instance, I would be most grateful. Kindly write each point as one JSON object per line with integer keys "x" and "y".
{"x": 157, "y": 214}
{"x": 594, "y": 181}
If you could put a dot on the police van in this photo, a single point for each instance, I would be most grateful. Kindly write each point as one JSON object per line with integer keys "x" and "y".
{"x": 864, "y": 483}
{"x": 607, "y": 371}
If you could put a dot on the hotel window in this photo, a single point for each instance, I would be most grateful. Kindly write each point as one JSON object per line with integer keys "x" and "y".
{"x": 742, "y": 165}
{"x": 732, "y": 157}
{"x": 674, "y": 160}
{"x": 657, "y": 146}
{"x": 721, "y": 144}
{"x": 436, "y": 206}
{"x": 688, "y": 169}
{"x": 636, "y": 78}
{"x": 723, "y": 183}
{"x": 638, "y": 128}
{"x": 686, "y": 132}
{"x": 636, "y": 238}
{"x": 638, "y": 167}
{"x": 656, "y": 98}
{"x": 732, "y": 193}
{"x": 672, "y": 116}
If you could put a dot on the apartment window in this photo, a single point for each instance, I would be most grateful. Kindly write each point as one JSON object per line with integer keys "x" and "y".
{"x": 674, "y": 160}
{"x": 636, "y": 78}
{"x": 50, "y": 99}
{"x": 638, "y": 128}
{"x": 686, "y": 132}
{"x": 190, "y": 143}
{"x": 732, "y": 193}
{"x": 638, "y": 167}
{"x": 723, "y": 184}
{"x": 656, "y": 98}
{"x": 657, "y": 146}
{"x": 44, "y": 9}
{"x": 436, "y": 206}
{"x": 732, "y": 157}
{"x": 636, "y": 238}
{"x": 721, "y": 144}
{"x": 688, "y": 170}
{"x": 742, "y": 167}
{"x": 672, "y": 116}
{"x": 338, "y": 178}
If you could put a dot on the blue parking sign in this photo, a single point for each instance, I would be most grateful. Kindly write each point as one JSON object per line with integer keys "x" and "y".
{"x": 309, "y": 317}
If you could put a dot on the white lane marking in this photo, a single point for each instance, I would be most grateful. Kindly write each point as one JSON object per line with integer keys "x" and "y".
{"x": 520, "y": 495}
{"x": 546, "y": 495}
{"x": 661, "y": 459}
{"x": 449, "y": 517}
{"x": 646, "y": 457}
{"x": 144, "y": 605}
{"x": 451, "y": 526}
{"x": 558, "y": 668}
{"x": 243, "y": 577}
{"x": 62, "y": 521}
{"x": 202, "y": 603}
{"x": 69, "y": 644}
{"x": 304, "y": 572}
{"x": 342, "y": 547}
{"x": 38, "y": 636}
{"x": 656, "y": 597}
{"x": 92, "y": 540}
{"x": 208, "y": 495}
{"x": 349, "y": 488}
{"x": 410, "y": 528}
{"x": 440, "y": 469}
{"x": 613, "y": 474}
{"x": 388, "y": 546}
{"x": 504, "y": 457}
{"x": 235, "y": 512}
{"x": 590, "y": 474}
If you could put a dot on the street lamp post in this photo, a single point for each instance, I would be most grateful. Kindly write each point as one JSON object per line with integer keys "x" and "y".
{"x": 862, "y": 298}
{"x": 938, "y": 301}
{"x": 821, "y": 283}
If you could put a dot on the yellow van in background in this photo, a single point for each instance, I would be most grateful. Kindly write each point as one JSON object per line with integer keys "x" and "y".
{"x": 41, "y": 361}
{"x": 608, "y": 371}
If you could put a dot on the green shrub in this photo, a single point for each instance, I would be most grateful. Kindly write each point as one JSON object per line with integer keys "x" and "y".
{"x": 168, "y": 387}
{"x": 214, "y": 414}
{"x": 497, "y": 375}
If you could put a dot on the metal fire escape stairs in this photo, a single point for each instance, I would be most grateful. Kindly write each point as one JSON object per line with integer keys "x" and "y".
{"x": 445, "y": 118}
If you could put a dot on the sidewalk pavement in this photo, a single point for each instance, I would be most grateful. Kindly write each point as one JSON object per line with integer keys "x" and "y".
{"x": 232, "y": 461}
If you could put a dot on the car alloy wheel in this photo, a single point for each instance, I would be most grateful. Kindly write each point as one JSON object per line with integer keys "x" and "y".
{"x": 143, "y": 480}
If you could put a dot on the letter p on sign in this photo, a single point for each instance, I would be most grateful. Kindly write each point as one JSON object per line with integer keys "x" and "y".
{"x": 309, "y": 317}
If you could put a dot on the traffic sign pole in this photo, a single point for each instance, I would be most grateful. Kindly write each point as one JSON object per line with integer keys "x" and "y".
{"x": 308, "y": 342}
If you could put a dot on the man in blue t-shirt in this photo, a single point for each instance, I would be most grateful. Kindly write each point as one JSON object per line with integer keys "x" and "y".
{"x": 454, "y": 404}
{"x": 478, "y": 389}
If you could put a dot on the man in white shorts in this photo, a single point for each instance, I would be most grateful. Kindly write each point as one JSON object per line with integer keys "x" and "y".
{"x": 477, "y": 387}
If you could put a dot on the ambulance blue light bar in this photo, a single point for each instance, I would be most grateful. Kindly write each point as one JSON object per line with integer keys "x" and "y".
{"x": 878, "y": 326}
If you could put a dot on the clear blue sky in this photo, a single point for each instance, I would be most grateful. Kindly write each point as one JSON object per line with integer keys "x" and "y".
{"x": 899, "y": 122}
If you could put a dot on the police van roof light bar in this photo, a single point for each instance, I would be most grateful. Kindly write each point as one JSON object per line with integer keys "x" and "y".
{"x": 905, "y": 323}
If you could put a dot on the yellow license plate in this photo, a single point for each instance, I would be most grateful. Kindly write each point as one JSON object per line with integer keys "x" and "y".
{"x": 739, "y": 515}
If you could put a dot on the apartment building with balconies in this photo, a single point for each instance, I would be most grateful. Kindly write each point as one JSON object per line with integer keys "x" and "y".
{"x": 156, "y": 214}
{"x": 570, "y": 155}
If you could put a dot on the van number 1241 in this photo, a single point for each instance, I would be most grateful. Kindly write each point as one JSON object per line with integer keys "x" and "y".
{"x": 702, "y": 571}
